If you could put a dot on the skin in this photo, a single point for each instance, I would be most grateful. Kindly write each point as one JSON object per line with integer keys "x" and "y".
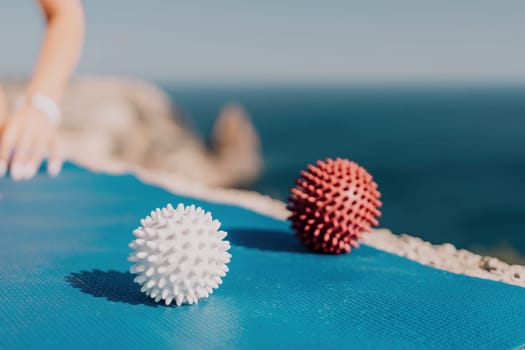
{"x": 3, "y": 109}
{"x": 27, "y": 136}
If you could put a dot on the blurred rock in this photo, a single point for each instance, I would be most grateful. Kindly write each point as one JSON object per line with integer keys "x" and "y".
{"x": 124, "y": 121}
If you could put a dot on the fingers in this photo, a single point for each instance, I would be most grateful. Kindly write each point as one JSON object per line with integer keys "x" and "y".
{"x": 30, "y": 153}
{"x": 24, "y": 143}
{"x": 7, "y": 145}
{"x": 21, "y": 167}
{"x": 56, "y": 157}
{"x": 36, "y": 157}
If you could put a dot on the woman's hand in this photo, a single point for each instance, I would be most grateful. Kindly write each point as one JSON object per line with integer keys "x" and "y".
{"x": 26, "y": 138}
{"x": 28, "y": 135}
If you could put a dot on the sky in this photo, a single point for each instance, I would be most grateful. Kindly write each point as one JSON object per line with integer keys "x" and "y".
{"x": 285, "y": 41}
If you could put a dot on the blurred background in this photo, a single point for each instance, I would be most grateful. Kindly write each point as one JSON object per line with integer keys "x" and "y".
{"x": 428, "y": 96}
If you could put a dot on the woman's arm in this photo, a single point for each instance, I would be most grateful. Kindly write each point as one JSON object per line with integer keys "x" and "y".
{"x": 29, "y": 133}
{"x": 61, "y": 47}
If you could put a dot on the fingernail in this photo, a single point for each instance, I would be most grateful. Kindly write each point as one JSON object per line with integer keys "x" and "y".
{"x": 17, "y": 172}
{"x": 54, "y": 169}
{"x": 29, "y": 171}
{"x": 3, "y": 168}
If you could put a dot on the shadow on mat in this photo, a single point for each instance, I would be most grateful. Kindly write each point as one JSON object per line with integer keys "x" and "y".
{"x": 113, "y": 285}
{"x": 278, "y": 241}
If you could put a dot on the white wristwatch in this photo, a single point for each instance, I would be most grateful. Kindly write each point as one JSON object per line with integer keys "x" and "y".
{"x": 43, "y": 104}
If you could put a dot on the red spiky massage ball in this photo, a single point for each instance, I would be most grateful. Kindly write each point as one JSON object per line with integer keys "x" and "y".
{"x": 333, "y": 204}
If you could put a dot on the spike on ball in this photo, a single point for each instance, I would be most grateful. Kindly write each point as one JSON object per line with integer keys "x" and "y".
{"x": 333, "y": 204}
{"x": 180, "y": 254}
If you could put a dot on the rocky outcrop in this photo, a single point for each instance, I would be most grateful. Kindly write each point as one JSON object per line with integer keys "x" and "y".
{"x": 125, "y": 121}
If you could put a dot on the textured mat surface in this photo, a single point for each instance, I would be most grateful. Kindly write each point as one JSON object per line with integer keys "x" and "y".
{"x": 64, "y": 283}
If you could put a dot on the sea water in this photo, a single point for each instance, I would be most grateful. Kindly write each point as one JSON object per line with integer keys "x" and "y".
{"x": 449, "y": 160}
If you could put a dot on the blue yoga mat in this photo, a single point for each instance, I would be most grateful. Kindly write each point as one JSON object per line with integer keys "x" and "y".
{"x": 65, "y": 284}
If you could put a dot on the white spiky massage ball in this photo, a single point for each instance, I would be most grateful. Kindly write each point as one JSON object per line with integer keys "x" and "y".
{"x": 180, "y": 254}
